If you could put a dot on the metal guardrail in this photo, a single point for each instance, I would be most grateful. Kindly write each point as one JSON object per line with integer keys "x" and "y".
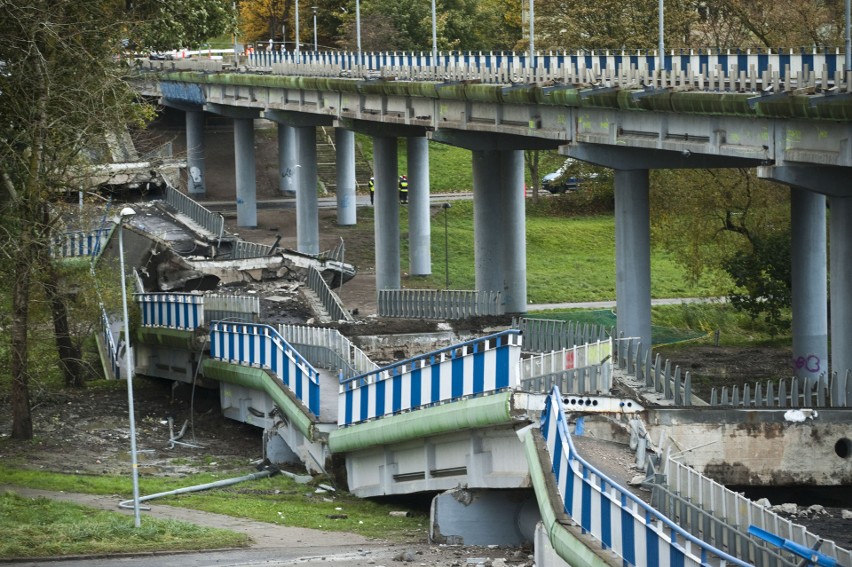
{"x": 624, "y": 524}
{"x": 111, "y": 344}
{"x": 263, "y": 347}
{"x": 242, "y": 250}
{"x": 234, "y": 307}
{"x": 583, "y": 369}
{"x": 214, "y": 223}
{"x": 577, "y": 381}
{"x": 547, "y": 335}
{"x": 329, "y": 299}
{"x": 699, "y": 503}
{"x": 172, "y": 310}
{"x": 701, "y": 69}
{"x": 659, "y": 376}
{"x": 438, "y": 304}
{"x": 580, "y": 356}
{"x": 803, "y": 392}
{"x": 80, "y": 243}
{"x": 327, "y": 348}
{"x": 432, "y": 378}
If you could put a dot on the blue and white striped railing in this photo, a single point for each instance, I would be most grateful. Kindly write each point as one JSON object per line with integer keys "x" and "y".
{"x": 80, "y": 243}
{"x": 700, "y": 60}
{"x": 172, "y": 310}
{"x": 261, "y": 346}
{"x": 621, "y": 522}
{"x": 480, "y": 366}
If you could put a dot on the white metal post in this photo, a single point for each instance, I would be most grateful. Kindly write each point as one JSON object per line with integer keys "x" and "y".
{"x": 126, "y": 213}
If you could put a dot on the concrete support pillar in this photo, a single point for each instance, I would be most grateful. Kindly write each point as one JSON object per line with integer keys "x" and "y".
{"x": 419, "y": 234}
{"x": 470, "y": 520}
{"x": 487, "y": 233}
{"x": 287, "y": 159}
{"x": 633, "y": 255}
{"x": 515, "y": 231}
{"x": 809, "y": 284}
{"x": 245, "y": 172}
{"x": 344, "y": 141}
{"x": 307, "y": 214}
{"x": 195, "y": 153}
{"x": 386, "y": 212}
{"x": 841, "y": 289}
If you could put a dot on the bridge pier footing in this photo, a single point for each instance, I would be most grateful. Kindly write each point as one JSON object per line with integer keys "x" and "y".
{"x": 484, "y": 517}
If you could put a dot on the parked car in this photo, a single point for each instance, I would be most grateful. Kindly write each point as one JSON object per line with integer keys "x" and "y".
{"x": 557, "y": 183}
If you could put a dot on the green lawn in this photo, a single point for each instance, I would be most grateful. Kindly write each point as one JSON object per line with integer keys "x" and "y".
{"x": 569, "y": 259}
{"x": 39, "y": 527}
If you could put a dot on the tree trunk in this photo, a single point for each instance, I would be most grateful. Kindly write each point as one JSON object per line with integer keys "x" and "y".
{"x": 70, "y": 356}
{"x": 533, "y": 158}
{"x": 22, "y": 422}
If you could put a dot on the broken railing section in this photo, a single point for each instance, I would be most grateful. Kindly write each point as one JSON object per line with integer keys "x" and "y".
{"x": 330, "y": 302}
{"x": 261, "y": 346}
{"x": 77, "y": 244}
{"x": 212, "y": 223}
{"x": 547, "y": 335}
{"x": 485, "y": 365}
{"x": 659, "y": 377}
{"x": 327, "y": 348}
{"x": 803, "y": 392}
{"x": 438, "y": 304}
{"x": 631, "y": 529}
{"x": 723, "y": 517}
{"x": 582, "y": 369}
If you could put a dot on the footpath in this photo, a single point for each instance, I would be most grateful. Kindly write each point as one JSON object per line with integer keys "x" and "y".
{"x": 272, "y": 544}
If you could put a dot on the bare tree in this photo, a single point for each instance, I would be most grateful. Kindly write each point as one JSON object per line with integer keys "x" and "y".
{"x": 62, "y": 88}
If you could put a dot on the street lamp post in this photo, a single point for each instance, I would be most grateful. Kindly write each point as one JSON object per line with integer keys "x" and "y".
{"x": 358, "y": 29}
{"x": 296, "y": 49}
{"x": 434, "y": 37}
{"x": 126, "y": 213}
{"x": 532, "y": 33}
{"x": 314, "y": 10}
{"x": 446, "y": 249}
{"x": 662, "y": 46}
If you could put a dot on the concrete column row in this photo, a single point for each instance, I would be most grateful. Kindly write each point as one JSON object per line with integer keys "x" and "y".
{"x": 500, "y": 240}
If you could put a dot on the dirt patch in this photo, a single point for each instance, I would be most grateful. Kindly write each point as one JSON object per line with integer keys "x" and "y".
{"x": 724, "y": 366}
{"x": 87, "y": 431}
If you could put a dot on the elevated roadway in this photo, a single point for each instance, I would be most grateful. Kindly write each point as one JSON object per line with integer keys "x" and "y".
{"x": 615, "y": 110}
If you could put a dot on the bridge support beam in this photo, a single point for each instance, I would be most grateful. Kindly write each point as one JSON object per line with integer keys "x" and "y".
{"x": 809, "y": 284}
{"x": 195, "y": 152}
{"x": 344, "y": 141}
{"x": 287, "y": 159}
{"x": 419, "y": 230}
{"x": 245, "y": 172}
{"x": 307, "y": 209}
{"x": 515, "y": 230}
{"x": 386, "y": 212}
{"x": 633, "y": 255}
{"x": 841, "y": 288}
